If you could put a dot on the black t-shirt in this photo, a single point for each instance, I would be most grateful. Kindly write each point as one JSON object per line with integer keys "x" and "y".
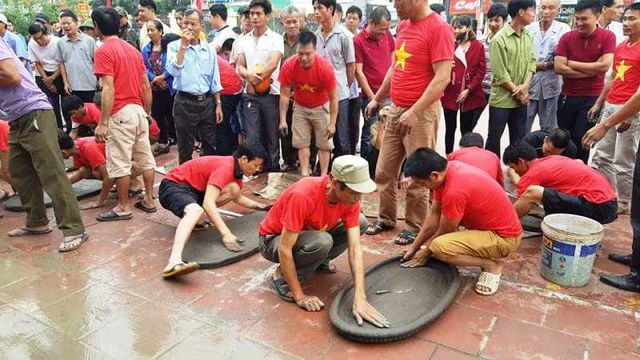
{"x": 536, "y": 138}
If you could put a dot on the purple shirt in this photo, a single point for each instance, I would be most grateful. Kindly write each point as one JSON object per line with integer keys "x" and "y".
{"x": 24, "y": 98}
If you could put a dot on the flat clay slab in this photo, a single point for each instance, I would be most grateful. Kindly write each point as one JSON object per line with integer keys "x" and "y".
{"x": 206, "y": 249}
{"x": 531, "y": 223}
{"x": 83, "y": 189}
{"x": 431, "y": 290}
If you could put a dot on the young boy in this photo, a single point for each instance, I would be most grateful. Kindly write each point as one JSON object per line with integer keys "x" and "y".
{"x": 200, "y": 186}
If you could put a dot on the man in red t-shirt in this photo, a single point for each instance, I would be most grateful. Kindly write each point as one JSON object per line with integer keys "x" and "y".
{"x": 560, "y": 185}
{"x": 583, "y": 56}
{"x": 198, "y": 187}
{"x": 421, "y": 71}
{"x": 124, "y": 122}
{"x": 313, "y": 222}
{"x": 472, "y": 152}
{"x": 374, "y": 49}
{"x": 84, "y": 116}
{"x": 615, "y": 155}
{"x": 463, "y": 194}
{"x": 316, "y": 102}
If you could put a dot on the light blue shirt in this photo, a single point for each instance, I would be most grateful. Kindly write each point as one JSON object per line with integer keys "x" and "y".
{"x": 199, "y": 73}
{"x": 546, "y": 84}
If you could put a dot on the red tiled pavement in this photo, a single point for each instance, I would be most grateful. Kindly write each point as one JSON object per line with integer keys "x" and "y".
{"x": 107, "y": 301}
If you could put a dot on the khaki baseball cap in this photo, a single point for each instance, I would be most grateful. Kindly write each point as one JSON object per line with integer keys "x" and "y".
{"x": 354, "y": 172}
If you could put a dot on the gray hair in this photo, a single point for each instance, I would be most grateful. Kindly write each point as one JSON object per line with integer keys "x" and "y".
{"x": 292, "y": 11}
{"x": 378, "y": 14}
{"x": 188, "y": 12}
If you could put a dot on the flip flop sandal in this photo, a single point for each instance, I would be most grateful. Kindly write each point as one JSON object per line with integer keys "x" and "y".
{"x": 282, "y": 289}
{"x": 202, "y": 227}
{"x": 377, "y": 227}
{"x": 180, "y": 269}
{"x": 404, "y": 237}
{"x": 328, "y": 268}
{"x": 82, "y": 237}
{"x": 489, "y": 281}
{"x": 113, "y": 216}
{"x": 25, "y": 231}
{"x": 140, "y": 205}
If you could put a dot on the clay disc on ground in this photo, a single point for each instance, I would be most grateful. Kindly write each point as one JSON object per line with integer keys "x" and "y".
{"x": 531, "y": 223}
{"x": 206, "y": 249}
{"x": 83, "y": 189}
{"x": 433, "y": 288}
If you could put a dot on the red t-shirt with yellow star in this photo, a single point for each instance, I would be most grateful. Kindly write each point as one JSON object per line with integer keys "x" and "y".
{"x": 626, "y": 67}
{"x": 419, "y": 44}
{"x": 310, "y": 86}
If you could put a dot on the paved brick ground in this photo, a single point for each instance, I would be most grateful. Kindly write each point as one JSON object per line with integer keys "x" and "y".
{"x": 107, "y": 301}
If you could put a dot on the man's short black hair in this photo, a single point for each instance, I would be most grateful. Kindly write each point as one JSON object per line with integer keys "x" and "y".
{"x": 437, "y": 8}
{"x": 423, "y": 162}
{"x": 220, "y": 10}
{"x": 515, "y": 6}
{"x": 188, "y": 12}
{"x": 149, "y": 4}
{"x": 607, "y": 3}
{"x": 594, "y": 5}
{"x": 180, "y": 9}
{"x": 64, "y": 140}
{"x": 633, "y": 7}
{"x": 471, "y": 139}
{"x": 228, "y": 44}
{"x": 560, "y": 138}
{"x": 37, "y": 27}
{"x": 378, "y": 14}
{"x": 497, "y": 10}
{"x": 306, "y": 38}
{"x": 107, "y": 20}
{"x": 520, "y": 150}
{"x": 251, "y": 150}
{"x": 70, "y": 103}
{"x": 355, "y": 10}
{"x": 328, "y": 4}
{"x": 264, "y": 4}
{"x": 69, "y": 13}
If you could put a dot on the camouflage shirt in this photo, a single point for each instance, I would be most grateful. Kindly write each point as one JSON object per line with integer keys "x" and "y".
{"x": 130, "y": 35}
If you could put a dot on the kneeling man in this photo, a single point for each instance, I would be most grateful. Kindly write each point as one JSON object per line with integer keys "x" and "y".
{"x": 311, "y": 223}
{"x": 463, "y": 194}
{"x": 199, "y": 187}
{"x": 560, "y": 185}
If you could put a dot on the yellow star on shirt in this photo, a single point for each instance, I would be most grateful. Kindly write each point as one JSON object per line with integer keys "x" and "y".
{"x": 402, "y": 55}
{"x": 621, "y": 69}
{"x": 306, "y": 87}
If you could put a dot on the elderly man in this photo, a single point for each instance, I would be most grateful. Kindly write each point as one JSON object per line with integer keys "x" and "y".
{"x": 35, "y": 161}
{"x": 545, "y": 85}
{"x": 197, "y": 107}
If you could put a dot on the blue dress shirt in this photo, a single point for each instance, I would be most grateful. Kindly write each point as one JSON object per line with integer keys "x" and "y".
{"x": 198, "y": 74}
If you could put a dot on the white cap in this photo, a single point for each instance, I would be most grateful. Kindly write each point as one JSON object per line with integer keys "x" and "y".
{"x": 3, "y": 19}
{"x": 353, "y": 171}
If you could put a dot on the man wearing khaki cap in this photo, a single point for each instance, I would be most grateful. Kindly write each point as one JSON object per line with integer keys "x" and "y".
{"x": 313, "y": 222}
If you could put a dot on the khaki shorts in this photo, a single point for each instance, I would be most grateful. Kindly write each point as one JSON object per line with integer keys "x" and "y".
{"x": 307, "y": 122}
{"x": 128, "y": 142}
{"x": 477, "y": 243}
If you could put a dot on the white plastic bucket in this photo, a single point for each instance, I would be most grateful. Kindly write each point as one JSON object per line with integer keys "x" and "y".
{"x": 569, "y": 246}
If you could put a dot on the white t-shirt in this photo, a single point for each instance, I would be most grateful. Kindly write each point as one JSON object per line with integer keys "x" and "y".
{"x": 222, "y": 36}
{"x": 45, "y": 55}
{"x": 257, "y": 51}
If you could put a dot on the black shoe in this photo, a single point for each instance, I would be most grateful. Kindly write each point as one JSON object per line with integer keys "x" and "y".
{"x": 629, "y": 282}
{"x": 621, "y": 259}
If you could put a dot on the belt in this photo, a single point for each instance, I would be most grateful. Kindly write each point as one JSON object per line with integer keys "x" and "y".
{"x": 202, "y": 97}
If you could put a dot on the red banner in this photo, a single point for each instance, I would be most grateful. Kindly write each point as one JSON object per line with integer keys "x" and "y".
{"x": 458, "y": 7}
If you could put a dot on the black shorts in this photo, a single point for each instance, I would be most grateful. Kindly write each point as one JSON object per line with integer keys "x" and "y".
{"x": 558, "y": 202}
{"x": 175, "y": 197}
